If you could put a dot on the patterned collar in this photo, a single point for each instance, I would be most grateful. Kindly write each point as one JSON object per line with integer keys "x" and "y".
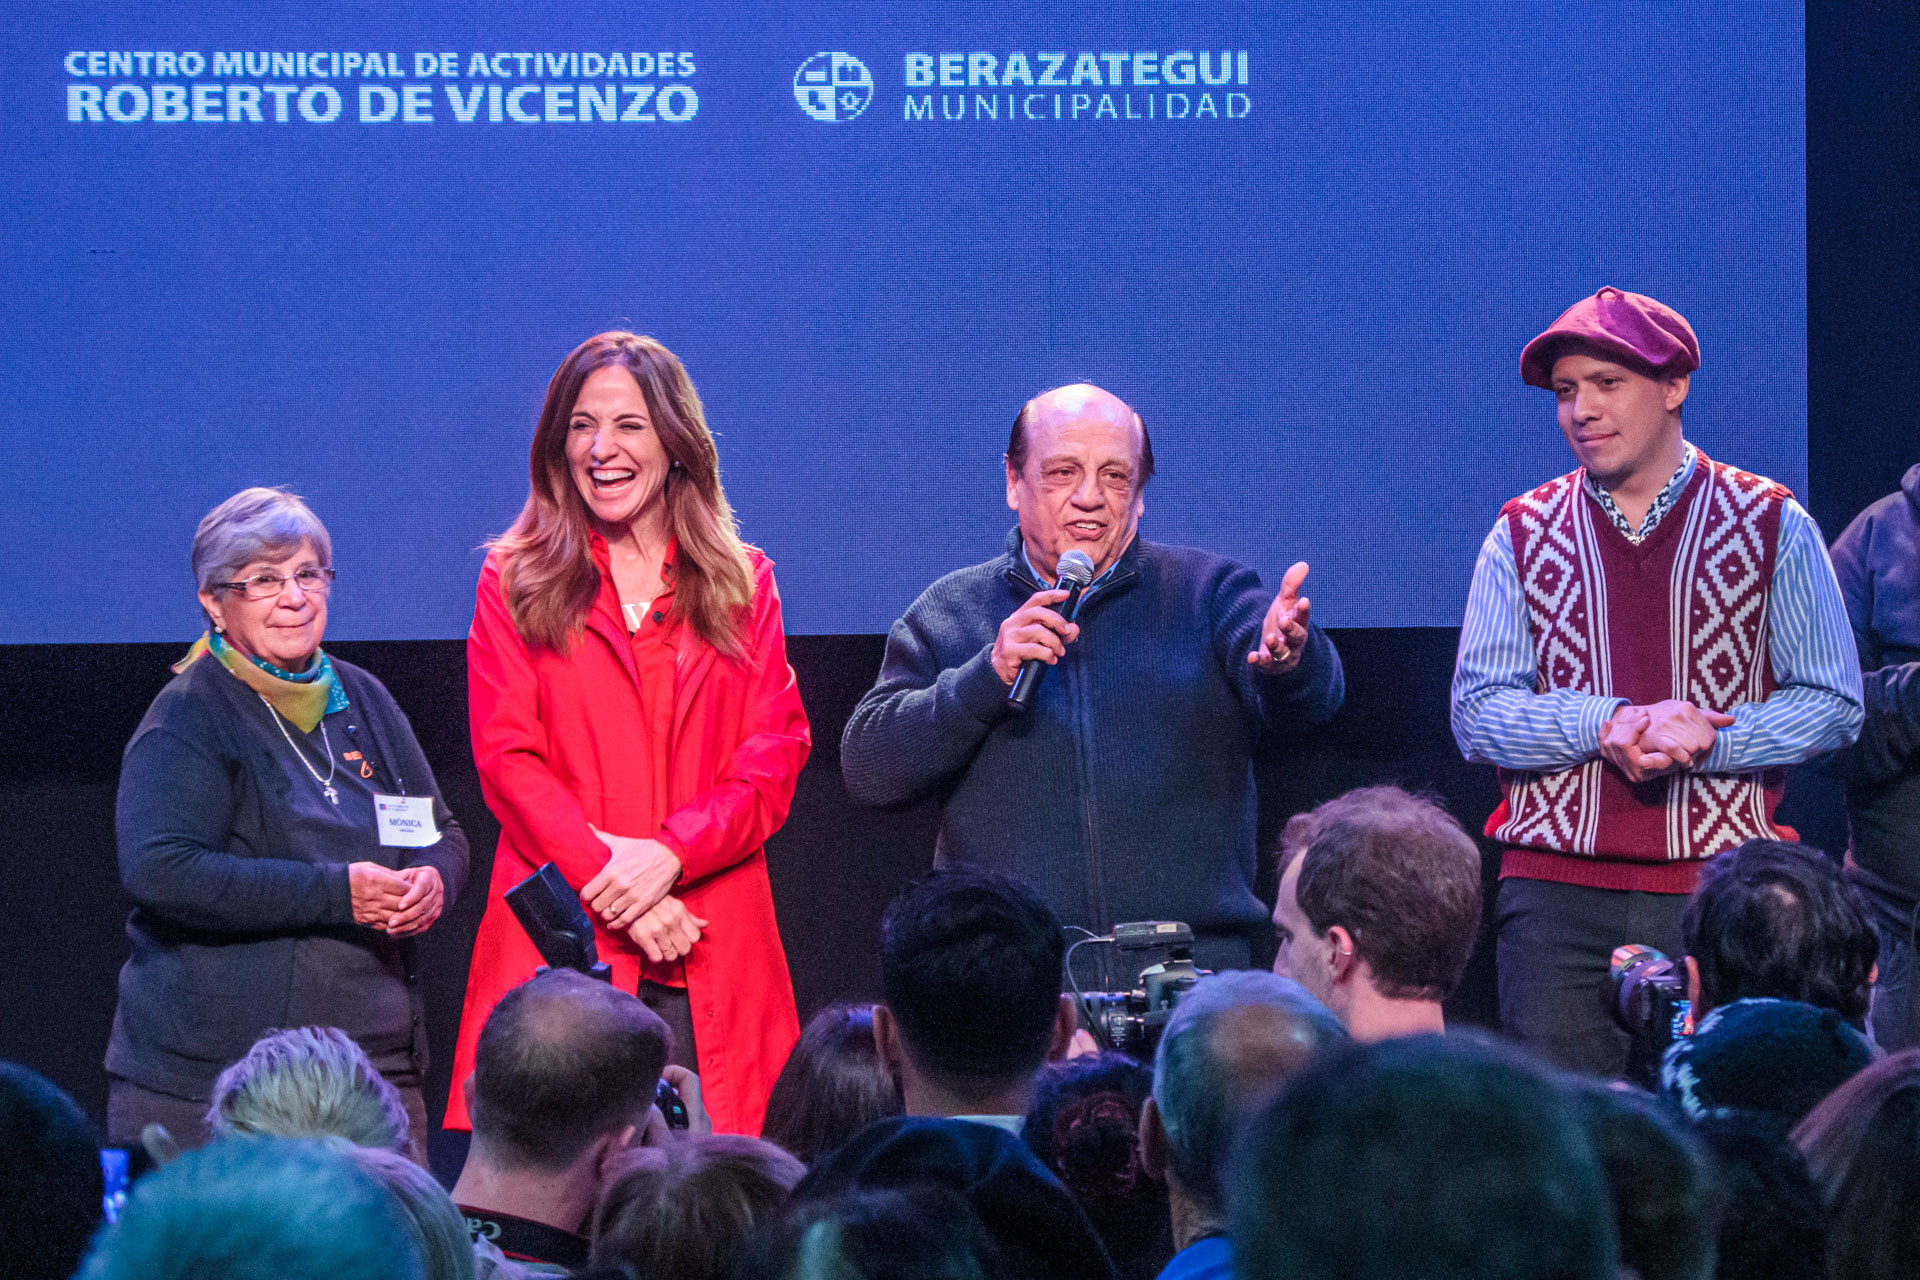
{"x": 1662, "y": 502}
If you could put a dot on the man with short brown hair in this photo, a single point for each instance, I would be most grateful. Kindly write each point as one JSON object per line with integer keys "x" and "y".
{"x": 1378, "y": 911}
{"x": 1650, "y": 640}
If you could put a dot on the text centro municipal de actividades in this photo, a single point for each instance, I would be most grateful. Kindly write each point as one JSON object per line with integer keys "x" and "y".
{"x": 633, "y": 87}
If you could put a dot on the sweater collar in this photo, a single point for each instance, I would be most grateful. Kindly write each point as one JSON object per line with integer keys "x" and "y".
{"x": 1020, "y": 570}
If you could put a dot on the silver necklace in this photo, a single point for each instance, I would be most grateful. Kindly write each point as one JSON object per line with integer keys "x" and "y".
{"x": 326, "y": 783}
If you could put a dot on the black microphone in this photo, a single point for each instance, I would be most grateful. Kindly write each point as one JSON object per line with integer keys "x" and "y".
{"x": 1075, "y": 571}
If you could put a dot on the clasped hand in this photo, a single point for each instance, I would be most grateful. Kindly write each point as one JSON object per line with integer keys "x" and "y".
{"x": 630, "y": 895}
{"x": 1665, "y": 737}
{"x": 397, "y": 903}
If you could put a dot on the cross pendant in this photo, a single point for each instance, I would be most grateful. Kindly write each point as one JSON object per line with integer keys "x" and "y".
{"x": 333, "y": 796}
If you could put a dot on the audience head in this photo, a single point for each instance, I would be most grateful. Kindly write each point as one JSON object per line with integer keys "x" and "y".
{"x": 833, "y": 1085}
{"x": 1772, "y": 1226}
{"x": 1439, "y": 1157}
{"x": 50, "y": 1181}
{"x": 310, "y": 1082}
{"x": 1232, "y": 1040}
{"x": 971, "y": 965}
{"x": 916, "y": 1233}
{"x": 1773, "y": 919}
{"x": 1666, "y": 1202}
{"x": 1862, "y": 1145}
{"x": 565, "y": 1064}
{"x": 1084, "y": 1125}
{"x": 1035, "y": 1223}
{"x": 686, "y": 1210}
{"x": 1776, "y": 1057}
{"x": 257, "y": 1209}
{"x": 1382, "y": 897}
{"x": 436, "y": 1224}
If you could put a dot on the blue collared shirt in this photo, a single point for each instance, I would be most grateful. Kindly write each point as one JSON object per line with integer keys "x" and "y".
{"x": 1499, "y": 719}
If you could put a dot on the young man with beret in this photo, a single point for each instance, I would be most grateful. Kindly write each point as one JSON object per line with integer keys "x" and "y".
{"x": 1650, "y": 640}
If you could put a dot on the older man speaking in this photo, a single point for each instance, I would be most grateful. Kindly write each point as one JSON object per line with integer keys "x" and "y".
{"x": 1125, "y": 791}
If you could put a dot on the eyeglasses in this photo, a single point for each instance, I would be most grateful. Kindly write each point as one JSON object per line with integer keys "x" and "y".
{"x": 268, "y": 586}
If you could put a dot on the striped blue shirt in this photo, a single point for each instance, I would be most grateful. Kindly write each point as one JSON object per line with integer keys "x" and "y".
{"x": 1499, "y": 719}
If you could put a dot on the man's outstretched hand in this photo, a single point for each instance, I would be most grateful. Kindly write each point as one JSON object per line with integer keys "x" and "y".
{"x": 1283, "y": 634}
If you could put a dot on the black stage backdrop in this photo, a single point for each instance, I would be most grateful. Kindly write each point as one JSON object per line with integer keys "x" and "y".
{"x": 66, "y": 710}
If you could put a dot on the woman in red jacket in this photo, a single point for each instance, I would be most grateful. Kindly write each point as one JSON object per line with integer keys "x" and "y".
{"x": 635, "y": 721}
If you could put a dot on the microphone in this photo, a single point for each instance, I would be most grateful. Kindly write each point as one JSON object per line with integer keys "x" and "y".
{"x": 1076, "y": 571}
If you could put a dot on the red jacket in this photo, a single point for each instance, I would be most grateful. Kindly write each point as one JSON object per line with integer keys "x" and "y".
{"x": 551, "y": 734}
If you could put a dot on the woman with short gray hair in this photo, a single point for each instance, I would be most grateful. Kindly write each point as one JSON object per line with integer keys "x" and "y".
{"x": 310, "y": 1082}
{"x": 280, "y": 834}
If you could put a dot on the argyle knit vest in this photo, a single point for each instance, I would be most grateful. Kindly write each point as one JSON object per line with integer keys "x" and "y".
{"x": 1681, "y": 615}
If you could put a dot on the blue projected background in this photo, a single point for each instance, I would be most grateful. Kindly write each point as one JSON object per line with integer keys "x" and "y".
{"x": 324, "y": 247}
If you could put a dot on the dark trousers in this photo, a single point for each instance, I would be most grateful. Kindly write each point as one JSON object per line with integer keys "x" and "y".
{"x": 1554, "y": 944}
{"x": 130, "y": 1109}
{"x": 1894, "y": 1016}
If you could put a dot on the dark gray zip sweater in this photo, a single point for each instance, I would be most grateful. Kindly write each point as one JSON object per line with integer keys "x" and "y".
{"x": 1126, "y": 792}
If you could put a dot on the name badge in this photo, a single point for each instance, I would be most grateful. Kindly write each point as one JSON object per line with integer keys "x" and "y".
{"x": 406, "y": 822}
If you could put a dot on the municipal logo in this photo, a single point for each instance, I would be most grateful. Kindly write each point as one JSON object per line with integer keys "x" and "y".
{"x": 833, "y": 86}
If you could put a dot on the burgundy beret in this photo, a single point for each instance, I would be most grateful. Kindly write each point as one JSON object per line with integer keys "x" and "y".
{"x": 1633, "y": 326}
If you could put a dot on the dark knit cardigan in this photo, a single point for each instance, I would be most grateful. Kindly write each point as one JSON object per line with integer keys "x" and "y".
{"x": 1126, "y": 791}
{"x": 223, "y": 896}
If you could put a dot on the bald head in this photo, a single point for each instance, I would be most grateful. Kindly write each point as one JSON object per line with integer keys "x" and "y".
{"x": 1077, "y": 460}
{"x": 562, "y": 1060}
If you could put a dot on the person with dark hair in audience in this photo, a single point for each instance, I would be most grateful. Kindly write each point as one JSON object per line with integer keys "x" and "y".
{"x": 685, "y": 1211}
{"x": 1863, "y": 1148}
{"x": 1772, "y": 1226}
{"x": 564, "y": 1076}
{"x": 258, "y": 1209}
{"x": 971, "y": 965}
{"x": 1877, "y": 561}
{"x": 1085, "y": 1126}
{"x": 1438, "y": 1157}
{"x": 833, "y": 1085}
{"x": 50, "y": 1180}
{"x": 1378, "y": 910}
{"x": 1666, "y": 1202}
{"x": 1036, "y": 1226}
{"x": 1777, "y": 920}
{"x": 1232, "y": 1040}
{"x": 917, "y": 1233}
{"x": 1777, "y": 1058}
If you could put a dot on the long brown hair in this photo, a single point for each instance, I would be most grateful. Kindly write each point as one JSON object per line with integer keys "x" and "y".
{"x": 549, "y": 574}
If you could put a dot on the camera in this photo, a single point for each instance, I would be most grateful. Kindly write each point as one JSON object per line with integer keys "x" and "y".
{"x": 1131, "y": 1021}
{"x": 1647, "y": 995}
{"x": 550, "y": 912}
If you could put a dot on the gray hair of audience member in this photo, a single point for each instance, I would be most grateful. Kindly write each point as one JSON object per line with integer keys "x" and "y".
{"x": 254, "y": 524}
{"x": 446, "y": 1250}
{"x": 1232, "y": 1039}
{"x": 308, "y": 1082}
{"x": 257, "y": 1209}
{"x": 687, "y": 1210}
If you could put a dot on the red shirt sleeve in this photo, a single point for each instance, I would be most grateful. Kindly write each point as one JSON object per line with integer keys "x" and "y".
{"x": 536, "y": 810}
{"x": 750, "y": 798}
